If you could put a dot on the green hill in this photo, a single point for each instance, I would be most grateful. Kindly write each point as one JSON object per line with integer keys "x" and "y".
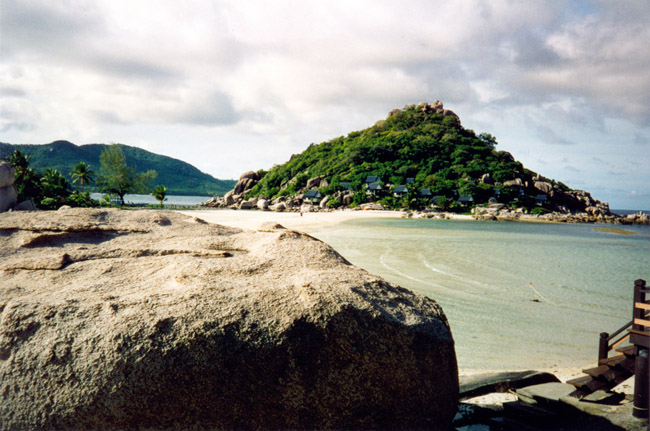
{"x": 179, "y": 177}
{"x": 425, "y": 144}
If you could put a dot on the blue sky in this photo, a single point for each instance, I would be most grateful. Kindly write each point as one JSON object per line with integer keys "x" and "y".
{"x": 231, "y": 86}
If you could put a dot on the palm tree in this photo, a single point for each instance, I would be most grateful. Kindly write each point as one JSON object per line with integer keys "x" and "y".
{"x": 160, "y": 193}
{"x": 82, "y": 174}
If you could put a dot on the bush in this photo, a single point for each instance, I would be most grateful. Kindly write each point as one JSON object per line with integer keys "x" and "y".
{"x": 333, "y": 203}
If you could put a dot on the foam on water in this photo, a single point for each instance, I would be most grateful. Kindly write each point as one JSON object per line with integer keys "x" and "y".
{"x": 480, "y": 273}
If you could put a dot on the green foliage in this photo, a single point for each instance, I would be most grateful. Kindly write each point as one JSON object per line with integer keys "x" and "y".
{"x": 117, "y": 178}
{"x": 160, "y": 193}
{"x": 82, "y": 174}
{"x": 54, "y": 189}
{"x": 63, "y": 156}
{"x": 81, "y": 199}
{"x": 435, "y": 150}
{"x": 49, "y": 190}
{"x": 333, "y": 203}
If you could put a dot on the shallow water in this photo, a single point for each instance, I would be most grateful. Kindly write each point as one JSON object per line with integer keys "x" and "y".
{"x": 481, "y": 273}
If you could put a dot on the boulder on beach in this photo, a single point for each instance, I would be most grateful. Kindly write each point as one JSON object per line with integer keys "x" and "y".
{"x": 156, "y": 320}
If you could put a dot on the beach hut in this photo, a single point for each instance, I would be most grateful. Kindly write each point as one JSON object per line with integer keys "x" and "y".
{"x": 345, "y": 185}
{"x": 425, "y": 194}
{"x": 371, "y": 179}
{"x": 541, "y": 199}
{"x": 313, "y": 196}
{"x": 410, "y": 181}
{"x": 466, "y": 200}
{"x": 374, "y": 188}
{"x": 400, "y": 191}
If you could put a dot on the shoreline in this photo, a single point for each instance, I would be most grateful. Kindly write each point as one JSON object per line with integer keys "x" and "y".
{"x": 308, "y": 221}
{"x": 252, "y": 219}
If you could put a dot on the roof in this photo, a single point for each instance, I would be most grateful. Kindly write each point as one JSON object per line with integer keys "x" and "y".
{"x": 466, "y": 198}
{"x": 313, "y": 194}
{"x": 345, "y": 185}
{"x": 401, "y": 189}
{"x": 541, "y": 197}
{"x": 425, "y": 193}
{"x": 372, "y": 179}
{"x": 410, "y": 181}
{"x": 374, "y": 186}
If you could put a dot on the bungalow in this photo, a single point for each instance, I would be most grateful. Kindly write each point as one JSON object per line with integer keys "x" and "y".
{"x": 410, "y": 181}
{"x": 466, "y": 200}
{"x": 313, "y": 196}
{"x": 374, "y": 188}
{"x": 425, "y": 194}
{"x": 400, "y": 191}
{"x": 541, "y": 199}
{"x": 345, "y": 185}
{"x": 371, "y": 179}
{"x": 497, "y": 193}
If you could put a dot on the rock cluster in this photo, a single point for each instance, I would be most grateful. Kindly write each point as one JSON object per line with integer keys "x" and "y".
{"x": 153, "y": 320}
{"x": 438, "y": 108}
{"x": 8, "y": 195}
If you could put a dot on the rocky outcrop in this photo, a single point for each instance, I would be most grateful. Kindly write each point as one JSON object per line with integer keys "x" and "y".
{"x": 151, "y": 319}
{"x": 8, "y": 195}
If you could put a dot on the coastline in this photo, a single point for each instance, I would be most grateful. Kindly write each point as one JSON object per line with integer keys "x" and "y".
{"x": 308, "y": 221}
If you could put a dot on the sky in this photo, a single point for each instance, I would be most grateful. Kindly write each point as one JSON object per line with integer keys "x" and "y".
{"x": 232, "y": 86}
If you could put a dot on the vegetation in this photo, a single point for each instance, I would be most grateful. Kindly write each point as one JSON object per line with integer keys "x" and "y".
{"x": 432, "y": 149}
{"x": 82, "y": 174}
{"x": 159, "y": 193}
{"x": 181, "y": 178}
{"x": 48, "y": 190}
{"x": 116, "y": 177}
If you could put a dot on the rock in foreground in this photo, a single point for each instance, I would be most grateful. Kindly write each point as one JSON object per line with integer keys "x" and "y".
{"x": 145, "y": 319}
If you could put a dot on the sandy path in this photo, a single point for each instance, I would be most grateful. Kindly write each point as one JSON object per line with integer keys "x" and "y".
{"x": 308, "y": 222}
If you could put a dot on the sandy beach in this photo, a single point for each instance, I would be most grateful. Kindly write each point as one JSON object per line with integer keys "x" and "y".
{"x": 307, "y": 222}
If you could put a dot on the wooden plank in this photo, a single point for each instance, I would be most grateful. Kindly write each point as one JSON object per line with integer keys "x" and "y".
{"x": 642, "y": 305}
{"x": 621, "y": 341}
{"x": 642, "y": 322}
{"x": 602, "y": 372}
{"x": 627, "y": 350}
{"x": 613, "y": 360}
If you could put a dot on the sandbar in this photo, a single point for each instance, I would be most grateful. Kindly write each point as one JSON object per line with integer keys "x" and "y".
{"x": 307, "y": 222}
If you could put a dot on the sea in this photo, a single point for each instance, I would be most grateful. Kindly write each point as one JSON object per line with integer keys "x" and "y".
{"x": 172, "y": 200}
{"x": 517, "y": 295}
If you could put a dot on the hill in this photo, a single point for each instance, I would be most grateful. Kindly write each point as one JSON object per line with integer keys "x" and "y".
{"x": 179, "y": 177}
{"x": 436, "y": 161}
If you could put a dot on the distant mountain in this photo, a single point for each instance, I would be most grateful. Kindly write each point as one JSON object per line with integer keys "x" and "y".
{"x": 179, "y": 177}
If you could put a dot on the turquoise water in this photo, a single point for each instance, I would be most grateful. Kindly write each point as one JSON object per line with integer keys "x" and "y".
{"x": 480, "y": 272}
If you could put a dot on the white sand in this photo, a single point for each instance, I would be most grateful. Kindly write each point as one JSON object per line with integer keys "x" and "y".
{"x": 253, "y": 219}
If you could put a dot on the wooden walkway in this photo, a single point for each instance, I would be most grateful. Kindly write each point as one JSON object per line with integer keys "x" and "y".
{"x": 630, "y": 344}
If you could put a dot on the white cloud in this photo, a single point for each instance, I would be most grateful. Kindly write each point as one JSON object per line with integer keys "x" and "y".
{"x": 265, "y": 79}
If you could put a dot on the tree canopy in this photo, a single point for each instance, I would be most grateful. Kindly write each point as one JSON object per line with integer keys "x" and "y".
{"x": 116, "y": 177}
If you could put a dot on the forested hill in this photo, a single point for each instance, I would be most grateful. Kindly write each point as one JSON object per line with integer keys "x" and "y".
{"x": 419, "y": 147}
{"x": 179, "y": 177}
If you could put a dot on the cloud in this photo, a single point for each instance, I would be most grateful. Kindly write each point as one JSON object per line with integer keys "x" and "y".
{"x": 286, "y": 73}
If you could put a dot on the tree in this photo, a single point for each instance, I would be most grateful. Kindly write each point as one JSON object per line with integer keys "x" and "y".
{"x": 82, "y": 175}
{"x": 27, "y": 180}
{"x": 160, "y": 193}
{"x": 488, "y": 139}
{"x": 118, "y": 178}
{"x": 54, "y": 188}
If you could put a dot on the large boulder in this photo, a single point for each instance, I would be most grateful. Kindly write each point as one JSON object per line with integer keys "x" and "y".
{"x": 7, "y": 174}
{"x": 8, "y": 195}
{"x": 151, "y": 319}
{"x": 246, "y": 182}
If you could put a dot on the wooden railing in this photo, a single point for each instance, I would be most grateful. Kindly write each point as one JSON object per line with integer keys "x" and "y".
{"x": 639, "y": 325}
